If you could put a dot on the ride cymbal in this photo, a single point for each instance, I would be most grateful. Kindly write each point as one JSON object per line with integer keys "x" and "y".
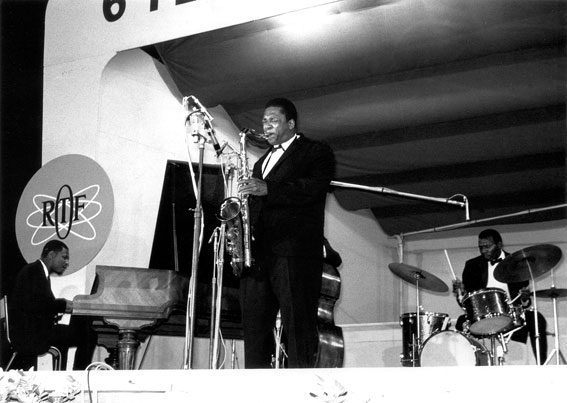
{"x": 538, "y": 258}
{"x": 412, "y": 274}
{"x": 552, "y": 293}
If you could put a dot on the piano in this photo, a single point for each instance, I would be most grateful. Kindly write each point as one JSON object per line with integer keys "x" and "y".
{"x": 129, "y": 304}
{"x": 132, "y": 299}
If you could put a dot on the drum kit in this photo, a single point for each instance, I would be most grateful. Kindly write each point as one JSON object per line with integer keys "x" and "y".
{"x": 427, "y": 339}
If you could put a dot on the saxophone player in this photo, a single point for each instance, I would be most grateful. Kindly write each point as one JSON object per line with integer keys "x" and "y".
{"x": 287, "y": 196}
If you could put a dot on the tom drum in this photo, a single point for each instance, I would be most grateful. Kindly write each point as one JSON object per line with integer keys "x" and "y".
{"x": 487, "y": 311}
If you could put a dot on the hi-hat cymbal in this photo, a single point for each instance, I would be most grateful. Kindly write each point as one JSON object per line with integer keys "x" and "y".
{"x": 538, "y": 258}
{"x": 552, "y": 293}
{"x": 412, "y": 274}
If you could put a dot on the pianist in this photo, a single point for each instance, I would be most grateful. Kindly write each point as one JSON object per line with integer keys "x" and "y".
{"x": 34, "y": 311}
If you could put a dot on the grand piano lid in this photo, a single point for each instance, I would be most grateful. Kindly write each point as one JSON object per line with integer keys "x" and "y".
{"x": 134, "y": 293}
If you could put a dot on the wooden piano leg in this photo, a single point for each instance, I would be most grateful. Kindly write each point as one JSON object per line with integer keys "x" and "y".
{"x": 127, "y": 347}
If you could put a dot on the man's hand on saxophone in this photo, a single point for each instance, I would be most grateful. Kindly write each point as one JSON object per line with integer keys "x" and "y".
{"x": 252, "y": 186}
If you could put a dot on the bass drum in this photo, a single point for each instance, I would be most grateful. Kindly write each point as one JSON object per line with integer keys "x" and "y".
{"x": 452, "y": 348}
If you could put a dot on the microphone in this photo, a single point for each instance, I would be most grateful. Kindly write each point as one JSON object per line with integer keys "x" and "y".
{"x": 467, "y": 215}
{"x": 214, "y": 140}
{"x": 194, "y": 103}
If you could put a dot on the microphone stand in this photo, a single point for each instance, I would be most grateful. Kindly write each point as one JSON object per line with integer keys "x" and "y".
{"x": 375, "y": 189}
{"x": 216, "y": 295}
{"x": 214, "y": 237}
{"x": 200, "y": 120}
{"x": 197, "y": 214}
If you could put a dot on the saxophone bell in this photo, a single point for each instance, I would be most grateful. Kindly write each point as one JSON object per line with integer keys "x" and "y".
{"x": 229, "y": 209}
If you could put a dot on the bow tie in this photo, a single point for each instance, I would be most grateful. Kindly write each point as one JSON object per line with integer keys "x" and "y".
{"x": 277, "y": 147}
{"x": 494, "y": 261}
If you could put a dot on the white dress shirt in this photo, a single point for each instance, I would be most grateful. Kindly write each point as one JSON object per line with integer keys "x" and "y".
{"x": 275, "y": 155}
{"x": 492, "y": 282}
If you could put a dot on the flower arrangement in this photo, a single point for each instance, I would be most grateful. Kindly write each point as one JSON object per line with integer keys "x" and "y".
{"x": 332, "y": 391}
{"x": 20, "y": 386}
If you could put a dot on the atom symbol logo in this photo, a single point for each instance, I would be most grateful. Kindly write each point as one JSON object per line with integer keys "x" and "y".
{"x": 72, "y": 214}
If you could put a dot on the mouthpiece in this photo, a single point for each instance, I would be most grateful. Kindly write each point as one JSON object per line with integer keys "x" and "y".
{"x": 252, "y": 132}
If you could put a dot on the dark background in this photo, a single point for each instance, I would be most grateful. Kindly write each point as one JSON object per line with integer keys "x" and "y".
{"x": 22, "y": 26}
{"x": 21, "y": 82}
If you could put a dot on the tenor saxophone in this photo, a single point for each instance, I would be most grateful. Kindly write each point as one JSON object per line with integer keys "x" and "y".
{"x": 235, "y": 213}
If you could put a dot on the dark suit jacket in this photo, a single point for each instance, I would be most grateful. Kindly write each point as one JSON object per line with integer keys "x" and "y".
{"x": 475, "y": 277}
{"x": 289, "y": 221}
{"x": 33, "y": 310}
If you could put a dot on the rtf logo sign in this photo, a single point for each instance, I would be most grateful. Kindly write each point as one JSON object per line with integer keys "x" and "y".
{"x": 63, "y": 210}
{"x": 71, "y": 199}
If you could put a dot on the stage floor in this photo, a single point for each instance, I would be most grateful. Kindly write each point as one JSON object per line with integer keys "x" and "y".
{"x": 349, "y": 385}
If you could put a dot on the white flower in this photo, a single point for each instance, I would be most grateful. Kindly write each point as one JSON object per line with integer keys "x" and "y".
{"x": 21, "y": 387}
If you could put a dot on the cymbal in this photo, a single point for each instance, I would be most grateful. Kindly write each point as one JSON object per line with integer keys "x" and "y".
{"x": 552, "y": 293}
{"x": 538, "y": 258}
{"x": 412, "y": 274}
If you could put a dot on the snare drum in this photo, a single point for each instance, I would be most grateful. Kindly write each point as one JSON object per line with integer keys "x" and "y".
{"x": 450, "y": 348}
{"x": 487, "y": 311}
{"x": 430, "y": 323}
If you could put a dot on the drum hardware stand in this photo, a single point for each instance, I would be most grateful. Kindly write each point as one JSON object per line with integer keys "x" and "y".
{"x": 279, "y": 356}
{"x": 233, "y": 356}
{"x": 494, "y": 358}
{"x": 413, "y": 275}
{"x": 504, "y": 339}
{"x": 503, "y": 344}
{"x": 556, "y": 350}
{"x": 539, "y": 259}
{"x": 416, "y": 340}
{"x": 536, "y": 324}
{"x": 417, "y": 343}
{"x": 415, "y": 346}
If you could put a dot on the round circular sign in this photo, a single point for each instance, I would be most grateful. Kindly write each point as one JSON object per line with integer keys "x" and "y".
{"x": 71, "y": 199}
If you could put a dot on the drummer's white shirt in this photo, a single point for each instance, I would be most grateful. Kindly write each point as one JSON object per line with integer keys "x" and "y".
{"x": 492, "y": 282}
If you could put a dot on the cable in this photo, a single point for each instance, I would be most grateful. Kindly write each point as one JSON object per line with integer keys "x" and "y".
{"x": 95, "y": 366}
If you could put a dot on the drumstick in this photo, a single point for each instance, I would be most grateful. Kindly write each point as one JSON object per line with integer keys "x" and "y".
{"x": 450, "y": 266}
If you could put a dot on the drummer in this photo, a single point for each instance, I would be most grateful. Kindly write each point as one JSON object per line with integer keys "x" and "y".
{"x": 479, "y": 274}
